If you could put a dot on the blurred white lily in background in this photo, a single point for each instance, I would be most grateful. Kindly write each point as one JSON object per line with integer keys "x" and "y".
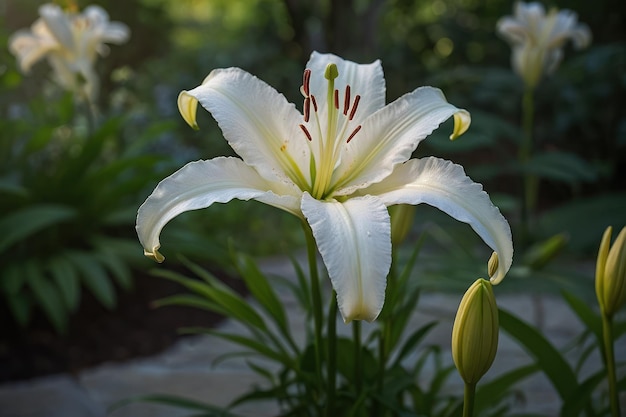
{"x": 537, "y": 38}
{"x": 338, "y": 166}
{"x": 71, "y": 43}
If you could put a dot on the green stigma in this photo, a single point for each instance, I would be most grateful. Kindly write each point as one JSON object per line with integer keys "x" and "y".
{"x": 331, "y": 72}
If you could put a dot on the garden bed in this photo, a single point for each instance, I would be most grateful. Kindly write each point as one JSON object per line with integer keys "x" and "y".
{"x": 96, "y": 335}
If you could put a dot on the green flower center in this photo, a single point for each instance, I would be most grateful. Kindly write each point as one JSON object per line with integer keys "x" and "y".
{"x": 328, "y": 135}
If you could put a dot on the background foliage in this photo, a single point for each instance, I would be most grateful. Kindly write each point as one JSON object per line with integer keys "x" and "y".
{"x": 68, "y": 195}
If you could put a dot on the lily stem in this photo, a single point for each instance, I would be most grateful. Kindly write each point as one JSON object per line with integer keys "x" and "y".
{"x": 358, "y": 357}
{"x": 529, "y": 195}
{"x": 331, "y": 354}
{"x": 468, "y": 399}
{"x": 607, "y": 333}
{"x": 316, "y": 300}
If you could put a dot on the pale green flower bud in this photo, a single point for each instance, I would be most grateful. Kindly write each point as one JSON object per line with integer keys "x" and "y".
{"x": 401, "y": 222}
{"x": 542, "y": 253}
{"x": 493, "y": 264}
{"x": 611, "y": 272}
{"x": 475, "y": 332}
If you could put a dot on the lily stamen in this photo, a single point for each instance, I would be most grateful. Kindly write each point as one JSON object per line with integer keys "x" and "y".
{"x": 354, "y": 107}
{"x": 353, "y": 133}
{"x": 306, "y": 80}
{"x": 306, "y": 132}
{"x": 307, "y": 108}
{"x": 346, "y": 101}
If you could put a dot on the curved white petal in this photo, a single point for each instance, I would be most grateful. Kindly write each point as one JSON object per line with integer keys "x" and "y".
{"x": 444, "y": 185}
{"x": 390, "y": 136}
{"x": 198, "y": 185}
{"x": 354, "y": 239}
{"x": 115, "y": 32}
{"x": 257, "y": 121}
{"x": 512, "y": 30}
{"x": 366, "y": 80}
{"x": 29, "y": 48}
{"x": 58, "y": 23}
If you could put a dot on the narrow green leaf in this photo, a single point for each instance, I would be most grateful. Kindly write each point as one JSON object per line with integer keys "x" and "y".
{"x": 491, "y": 392}
{"x": 94, "y": 277}
{"x": 189, "y": 300}
{"x": 255, "y": 345}
{"x": 262, "y": 291}
{"x": 117, "y": 267}
{"x": 410, "y": 345}
{"x": 174, "y": 401}
{"x": 548, "y": 358}
{"x": 262, "y": 371}
{"x": 219, "y": 293}
{"x": 21, "y": 308}
{"x": 586, "y": 315}
{"x": 561, "y": 166}
{"x": 65, "y": 277}
{"x": 47, "y": 296}
{"x": 12, "y": 279}
{"x": 23, "y": 223}
{"x": 581, "y": 397}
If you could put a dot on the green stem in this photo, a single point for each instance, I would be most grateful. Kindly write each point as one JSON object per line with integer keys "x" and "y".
{"x": 468, "y": 400}
{"x": 332, "y": 355}
{"x": 358, "y": 366}
{"x": 316, "y": 299}
{"x": 529, "y": 194}
{"x": 607, "y": 333}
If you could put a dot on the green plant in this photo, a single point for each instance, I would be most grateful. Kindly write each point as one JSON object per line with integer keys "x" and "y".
{"x": 68, "y": 208}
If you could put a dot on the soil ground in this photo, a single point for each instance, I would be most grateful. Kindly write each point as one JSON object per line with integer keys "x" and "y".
{"x": 96, "y": 335}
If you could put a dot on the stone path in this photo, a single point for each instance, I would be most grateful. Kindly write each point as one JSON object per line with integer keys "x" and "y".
{"x": 186, "y": 368}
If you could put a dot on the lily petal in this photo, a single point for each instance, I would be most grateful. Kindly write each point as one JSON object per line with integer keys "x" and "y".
{"x": 58, "y": 23}
{"x": 200, "y": 184}
{"x": 512, "y": 30}
{"x": 390, "y": 136}
{"x": 29, "y": 49}
{"x": 354, "y": 239}
{"x": 366, "y": 80}
{"x": 445, "y": 185}
{"x": 257, "y": 121}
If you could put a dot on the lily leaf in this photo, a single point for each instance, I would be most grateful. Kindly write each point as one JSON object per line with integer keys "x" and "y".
{"x": 47, "y": 296}
{"x": 174, "y": 401}
{"x": 25, "y": 222}
{"x": 561, "y": 166}
{"x": 65, "y": 276}
{"x": 548, "y": 358}
{"x": 94, "y": 277}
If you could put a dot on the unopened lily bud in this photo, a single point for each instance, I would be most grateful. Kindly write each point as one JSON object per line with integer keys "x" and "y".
{"x": 475, "y": 332}
{"x": 541, "y": 253}
{"x": 492, "y": 265}
{"x": 611, "y": 272}
{"x": 401, "y": 222}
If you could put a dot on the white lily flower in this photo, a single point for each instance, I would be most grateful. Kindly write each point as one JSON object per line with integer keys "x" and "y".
{"x": 71, "y": 42}
{"x": 537, "y": 38}
{"x": 338, "y": 166}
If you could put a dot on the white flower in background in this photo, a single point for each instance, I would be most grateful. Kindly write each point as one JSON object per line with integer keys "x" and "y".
{"x": 71, "y": 43}
{"x": 537, "y": 38}
{"x": 338, "y": 166}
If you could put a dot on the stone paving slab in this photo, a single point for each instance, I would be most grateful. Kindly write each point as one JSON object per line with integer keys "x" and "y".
{"x": 188, "y": 369}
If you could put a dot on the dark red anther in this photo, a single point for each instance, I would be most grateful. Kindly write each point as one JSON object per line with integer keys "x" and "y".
{"x": 306, "y": 132}
{"x": 307, "y": 109}
{"x": 306, "y": 81}
{"x": 354, "y": 106}
{"x": 354, "y": 132}
{"x": 346, "y": 101}
{"x": 314, "y": 103}
{"x": 337, "y": 99}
